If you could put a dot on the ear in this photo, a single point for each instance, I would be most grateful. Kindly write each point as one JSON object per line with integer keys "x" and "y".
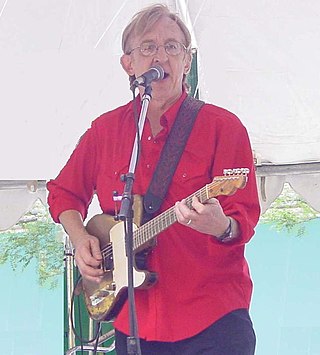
{"x": 126, "y": 63}
{"x": 188, "y": 61}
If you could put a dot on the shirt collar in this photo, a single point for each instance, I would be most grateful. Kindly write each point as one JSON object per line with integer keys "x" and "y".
{"x": 170, "y": 115}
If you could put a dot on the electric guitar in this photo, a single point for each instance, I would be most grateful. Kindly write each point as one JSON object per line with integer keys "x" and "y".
{"x": 105, "y": 299}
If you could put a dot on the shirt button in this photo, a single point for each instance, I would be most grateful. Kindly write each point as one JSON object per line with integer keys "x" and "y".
{"x": 184, "y": 175}
{"x": 148, "y": 166}
{"x": 149, "y": 138}
{"x": 155, "y": 141}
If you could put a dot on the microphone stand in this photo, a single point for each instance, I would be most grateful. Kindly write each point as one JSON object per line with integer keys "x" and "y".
{"x": 126, "y": 215}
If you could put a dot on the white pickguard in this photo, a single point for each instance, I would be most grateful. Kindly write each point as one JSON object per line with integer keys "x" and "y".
{"x": 120, "y": 272}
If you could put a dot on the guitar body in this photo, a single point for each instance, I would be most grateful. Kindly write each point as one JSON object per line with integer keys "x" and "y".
{"x": 105, "y": 299}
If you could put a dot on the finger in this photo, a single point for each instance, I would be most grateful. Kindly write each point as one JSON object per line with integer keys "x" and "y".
{"x": 91, "y": 262}
{"x": 95, "y": 249}
{"x": 87, "y": 270}
{"x": 197, "y": 205}
{"x": 84, "y": 257}
{"x": 89, "y": 252}
{"x": 195, "y": 201}
{"x": 189, "y": 222}
{"x": 178, "y": 212}
{"x": 209, "y": 207}
{"x": 182, "y": 211}
{"x": 213, "y": 201}
{"x": 185, "y": 215}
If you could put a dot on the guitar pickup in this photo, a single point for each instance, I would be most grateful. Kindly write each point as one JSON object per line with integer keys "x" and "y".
{"x": 107, "y": 261}
{"x": 107, "y": 265}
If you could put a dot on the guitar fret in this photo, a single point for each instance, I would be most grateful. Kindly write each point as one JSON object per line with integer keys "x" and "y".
{"x": 152, "y": 228}
{"x": 161, "y": 223}
{"x": 203, "y": 194}
{"x": 219, "y": 186}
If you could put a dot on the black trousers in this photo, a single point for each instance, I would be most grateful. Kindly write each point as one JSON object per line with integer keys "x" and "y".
{"x": 233, "y": 334}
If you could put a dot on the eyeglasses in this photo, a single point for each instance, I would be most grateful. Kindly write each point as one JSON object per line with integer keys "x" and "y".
{"x": 148, "y": 49}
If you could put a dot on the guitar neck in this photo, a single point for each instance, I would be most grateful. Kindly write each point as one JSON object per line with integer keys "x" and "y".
{"x": 221, "y": 185}
{"x": 152, "y": 228}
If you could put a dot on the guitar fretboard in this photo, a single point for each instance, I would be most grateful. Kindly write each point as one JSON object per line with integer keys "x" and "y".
{"x": 164, "y": 220}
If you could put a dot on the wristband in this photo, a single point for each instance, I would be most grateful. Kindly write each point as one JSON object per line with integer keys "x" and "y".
{"x": 227, "y": 235}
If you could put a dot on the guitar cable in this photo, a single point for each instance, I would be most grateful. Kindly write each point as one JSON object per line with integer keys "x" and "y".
{"x": 79, "y": 337}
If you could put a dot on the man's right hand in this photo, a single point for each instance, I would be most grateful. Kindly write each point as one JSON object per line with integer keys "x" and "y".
{"x": 88, "y": 257}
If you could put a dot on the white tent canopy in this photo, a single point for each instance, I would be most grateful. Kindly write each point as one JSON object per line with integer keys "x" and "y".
{"x": 60, "y": 70}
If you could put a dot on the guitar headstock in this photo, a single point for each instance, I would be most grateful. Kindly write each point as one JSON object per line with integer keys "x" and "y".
{"x": 229, "y": 183}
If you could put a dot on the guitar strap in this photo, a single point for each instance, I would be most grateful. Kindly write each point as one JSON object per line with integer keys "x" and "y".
{"x": 170, "y": 155}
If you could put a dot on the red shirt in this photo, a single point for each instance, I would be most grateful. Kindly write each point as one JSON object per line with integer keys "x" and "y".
{"x": 199, "y": 278}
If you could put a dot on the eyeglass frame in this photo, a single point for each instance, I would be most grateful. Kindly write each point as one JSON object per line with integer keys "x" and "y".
{"x": 182, "y": 46}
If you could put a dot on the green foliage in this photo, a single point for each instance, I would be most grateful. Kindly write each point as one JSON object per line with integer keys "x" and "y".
{"x": 289, "y": 212}
{"x": 36, "y": 238}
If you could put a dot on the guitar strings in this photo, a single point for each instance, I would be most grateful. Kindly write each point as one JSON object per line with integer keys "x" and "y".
{"x": 159, "y": 223}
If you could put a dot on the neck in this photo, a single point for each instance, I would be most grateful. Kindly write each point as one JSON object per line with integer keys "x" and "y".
{"x": 158, "y": 106}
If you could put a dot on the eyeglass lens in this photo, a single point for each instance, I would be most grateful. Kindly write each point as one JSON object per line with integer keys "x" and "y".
{"x": 150, "y": 48}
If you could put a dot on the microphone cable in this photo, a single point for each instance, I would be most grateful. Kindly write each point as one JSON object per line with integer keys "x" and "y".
{"x": 136, "y": 121}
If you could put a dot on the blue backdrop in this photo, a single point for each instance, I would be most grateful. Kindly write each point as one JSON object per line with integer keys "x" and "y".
{"x": 285, "y": 306}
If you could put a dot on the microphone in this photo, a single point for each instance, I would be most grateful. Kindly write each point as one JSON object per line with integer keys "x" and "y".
{"x": 155, "y": 73}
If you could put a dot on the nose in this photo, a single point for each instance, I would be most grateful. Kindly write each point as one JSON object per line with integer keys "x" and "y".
{"x": 160, "y": 55}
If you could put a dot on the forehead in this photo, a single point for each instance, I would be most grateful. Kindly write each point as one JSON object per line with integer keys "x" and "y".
{"x": 163, "y": 30}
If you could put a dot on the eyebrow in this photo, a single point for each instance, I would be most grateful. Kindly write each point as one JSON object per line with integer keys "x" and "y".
{"x": 167, "y": 40}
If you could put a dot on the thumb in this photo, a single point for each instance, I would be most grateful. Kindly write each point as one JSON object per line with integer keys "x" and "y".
{"x": 95, "y": 249}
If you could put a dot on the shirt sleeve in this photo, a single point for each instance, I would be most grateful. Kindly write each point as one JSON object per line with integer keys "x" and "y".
{"x": 73, "y": 188}
{"x": 233, "y": 150}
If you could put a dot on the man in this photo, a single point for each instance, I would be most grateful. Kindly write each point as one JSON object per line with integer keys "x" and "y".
{"x": 200, "y": 303}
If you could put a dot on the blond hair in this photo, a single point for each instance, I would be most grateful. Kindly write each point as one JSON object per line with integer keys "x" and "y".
{"x": 144, "y": 20}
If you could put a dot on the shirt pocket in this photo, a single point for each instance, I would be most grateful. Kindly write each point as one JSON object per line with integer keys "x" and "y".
{"x": 193, "y": 172}
{"x": 109, "y": 183}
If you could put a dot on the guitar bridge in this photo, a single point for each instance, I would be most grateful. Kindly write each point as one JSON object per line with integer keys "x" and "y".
{"x": 100, "y": 296}
{"x": 96, "y": 300}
